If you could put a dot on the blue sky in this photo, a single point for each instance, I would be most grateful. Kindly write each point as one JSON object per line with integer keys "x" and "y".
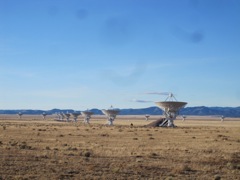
{"x": 83, "y": 54}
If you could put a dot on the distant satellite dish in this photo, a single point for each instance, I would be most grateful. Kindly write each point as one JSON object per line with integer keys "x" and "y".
{"x": 111, "y": 113}
{"x": 67, "y": 115}
{"x": 87, "y": 116}
{"x": 75, "y": 116}
{"x": 183, "y": 117}
{"x": 44, "y": 115}
{"x": 20, "y": 115}
{"x": 62, "y": 116}
{"x": 58, "y": 116}
{"x": 146, "y": 117}
{"x": 222, "y": 118}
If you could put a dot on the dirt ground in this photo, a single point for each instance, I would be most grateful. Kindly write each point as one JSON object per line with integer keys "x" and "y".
{"x": 199, "y": 148}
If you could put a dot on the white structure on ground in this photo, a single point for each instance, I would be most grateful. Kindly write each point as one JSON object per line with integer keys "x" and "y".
{"x": 62, "y": 117}
{"x": 146, "y": 117}
{"x": 170, "y": 109}
{"x": 75, "y": 116}
{"x": 111, "y": 114}
{"x": 58, "y": 116}
{"x": 222, "y": 118}
{"x": 20, "y": 115}
{"x": 87, "y": 116}
{"x": 183, "y": 117}
{"x": 44, "y": 115}
{"x": 219, "y": 116}
{"x": 67, "y": 115}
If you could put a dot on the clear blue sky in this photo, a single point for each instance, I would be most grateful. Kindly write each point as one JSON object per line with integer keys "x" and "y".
{"x": 83, "y": 54}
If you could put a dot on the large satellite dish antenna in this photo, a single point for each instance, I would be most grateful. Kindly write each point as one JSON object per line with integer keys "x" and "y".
{"x": 57, "y": 116}
{"x": 222, "y": 118}
{"x": 61, "y": 115}
{"x": 44, "y": 115}
{"x": 170, "y": 108}
{"x": 146, "y": 117}
{"x": 184, "y": 117}
{"x": 67, "y": 115}
{"x": 87, "y": 116}
{"x": 75, "y": 115}
{"x": 20, "y": 115}
{"x": 111, "y": 114}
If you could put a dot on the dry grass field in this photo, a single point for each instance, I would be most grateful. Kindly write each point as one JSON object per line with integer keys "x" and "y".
{"x": 199, "y": 148}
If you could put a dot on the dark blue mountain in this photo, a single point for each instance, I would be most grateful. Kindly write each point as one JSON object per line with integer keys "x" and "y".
{"x": 150, "y": 110}
{"x": 197, "y": 111}
{"x": 203, "y": 111}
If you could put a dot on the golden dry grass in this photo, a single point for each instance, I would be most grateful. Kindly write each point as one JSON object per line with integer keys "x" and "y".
{"x": 33, "y": 148}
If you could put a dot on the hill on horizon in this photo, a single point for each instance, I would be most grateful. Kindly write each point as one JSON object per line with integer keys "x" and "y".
{"x": 197, "y": 111}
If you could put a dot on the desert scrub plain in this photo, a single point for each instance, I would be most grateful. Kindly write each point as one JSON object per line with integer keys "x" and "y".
{"x": 33, "y": 148}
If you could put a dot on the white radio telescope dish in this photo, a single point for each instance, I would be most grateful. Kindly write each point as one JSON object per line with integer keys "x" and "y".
{"x": 146, "y": 117}
{"x": 67, "y": 115}
{"x": 44, "y": 115}
{"x": 170, "y": 109}
{"x": 20, "y": 115}
{"x": 75, "y": 116}
{"x": 87, "y": 116}
{"x": 111, "y": 114}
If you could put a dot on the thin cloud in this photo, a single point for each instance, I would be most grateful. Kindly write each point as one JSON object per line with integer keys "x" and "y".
{"x": 141, "y": 101}
{"x": 158, "y": 93}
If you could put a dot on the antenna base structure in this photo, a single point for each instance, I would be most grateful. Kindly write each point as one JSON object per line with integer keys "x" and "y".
{"x": 111, "y": 114}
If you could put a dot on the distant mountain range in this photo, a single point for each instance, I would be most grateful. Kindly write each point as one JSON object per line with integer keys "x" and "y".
{"x": 197, "y": 111}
